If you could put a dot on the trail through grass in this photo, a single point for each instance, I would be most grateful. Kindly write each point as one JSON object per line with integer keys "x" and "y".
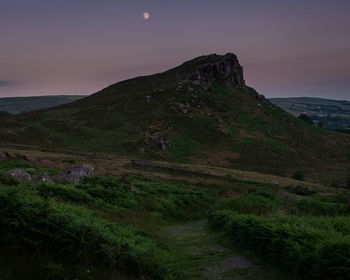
{"x": 203, "y": 254}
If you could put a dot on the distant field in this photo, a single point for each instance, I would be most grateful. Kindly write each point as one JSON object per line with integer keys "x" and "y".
{"x": 16, "y": 105}
{"x": 331, "y": 114}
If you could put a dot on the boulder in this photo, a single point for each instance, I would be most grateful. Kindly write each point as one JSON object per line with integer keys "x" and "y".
{"x": 155, "y": 140}
{"x": 18, "y": 174}
{"x": 43, "y": 177}
{"x": 4, "y": 155}
{"x": 75, "y": 174}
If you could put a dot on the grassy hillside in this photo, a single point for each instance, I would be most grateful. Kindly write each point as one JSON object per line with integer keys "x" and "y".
{"x": 17, "y": 105}
{"x": 169, "y": 117}
{"x": 330, "y": 114}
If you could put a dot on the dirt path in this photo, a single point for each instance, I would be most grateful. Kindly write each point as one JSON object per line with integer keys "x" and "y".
{"x": 202, "y": 254}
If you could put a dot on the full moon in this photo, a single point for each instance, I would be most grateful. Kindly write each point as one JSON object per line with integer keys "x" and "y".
{"x": 146, "y": 15}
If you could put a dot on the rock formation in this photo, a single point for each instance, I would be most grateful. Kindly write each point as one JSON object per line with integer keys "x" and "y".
{"x": 18, "y": 174}
{"x": 4, "y": 155}
{"x": 43, "y": 177}
{"x": 227, "y": 72}
{"x": 75, "y": 174}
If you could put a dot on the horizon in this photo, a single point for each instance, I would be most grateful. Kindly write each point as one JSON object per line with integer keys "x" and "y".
{"x": 64, "y": 48}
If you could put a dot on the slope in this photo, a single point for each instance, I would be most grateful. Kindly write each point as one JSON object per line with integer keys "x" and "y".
{"x": 200, "y": 112}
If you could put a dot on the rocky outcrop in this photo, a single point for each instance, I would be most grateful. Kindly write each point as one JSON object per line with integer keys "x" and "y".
{"x": 4, "y": 155}
{"x": 227, "y": 72}
{"x": 18, "y": 174}
{"x": 155, "y": 140}
{"x": 43, "y": 177}
{"x": 75, "y": 174}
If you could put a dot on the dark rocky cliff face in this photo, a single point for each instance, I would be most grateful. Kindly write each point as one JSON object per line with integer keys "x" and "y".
{"x": 227, "y": 71}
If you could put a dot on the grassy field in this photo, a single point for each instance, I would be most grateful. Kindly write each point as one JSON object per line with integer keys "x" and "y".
{"x": 330, "y": 114}
{"x": 149, "y": 222}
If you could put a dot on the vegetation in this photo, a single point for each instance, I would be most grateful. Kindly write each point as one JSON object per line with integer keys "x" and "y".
{"x": 102, "y": 226}
{"x": 311, "y": 247}
{"x": 308, "y": 235}
{"x": 110, "y": 227}
{"x": 306, "y": 118}
{"x": 67, "y": 234}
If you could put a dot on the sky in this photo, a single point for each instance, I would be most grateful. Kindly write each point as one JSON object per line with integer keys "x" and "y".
{"x": 287, "y": 48}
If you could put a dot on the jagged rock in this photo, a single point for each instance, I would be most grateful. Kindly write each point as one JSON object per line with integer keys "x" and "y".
{"x": 75, "y": 174}
{"x": 18, "y": 174}
{"x": 155, "y": 140}
{"x": 228, "y": 72}
{"x": 43, "y": 177}
{"x": 4, "y": 155}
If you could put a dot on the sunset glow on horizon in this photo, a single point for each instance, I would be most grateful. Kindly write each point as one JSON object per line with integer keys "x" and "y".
{"x": 287, "y": 48}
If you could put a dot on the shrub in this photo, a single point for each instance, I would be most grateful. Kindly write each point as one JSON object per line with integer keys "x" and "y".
{"x": 7, "y": 180}
{"x": 312, "y": 247}
{"x": 172, "y": 200}
{"x": 70, "y": 234}
{"x": 258, "y": 203}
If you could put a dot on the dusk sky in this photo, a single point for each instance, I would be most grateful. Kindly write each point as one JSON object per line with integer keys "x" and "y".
{"x": 287, "y": 48}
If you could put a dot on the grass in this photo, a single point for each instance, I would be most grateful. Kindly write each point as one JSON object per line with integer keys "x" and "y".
{"x": 96, "y": 225}
{"x": 117, "y": 226}
{"x": 202, "y": 253}
{"x": 311, "y": 247}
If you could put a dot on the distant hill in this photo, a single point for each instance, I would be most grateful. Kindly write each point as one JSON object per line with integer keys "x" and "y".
{"x": 17, "y": 105}
{"x": 199, "y": 112}
{"x": 330, "y": 114}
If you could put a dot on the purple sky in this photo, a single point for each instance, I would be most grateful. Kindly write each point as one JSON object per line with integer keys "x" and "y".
{"x": 287, "y": 48}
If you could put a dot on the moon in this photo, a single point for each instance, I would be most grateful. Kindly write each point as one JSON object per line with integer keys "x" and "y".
{"x": 146, "y": 15}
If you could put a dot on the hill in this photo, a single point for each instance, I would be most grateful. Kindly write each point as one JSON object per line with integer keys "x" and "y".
{"x": 330, "y": 114}
{"x": 200, "y": 112}
{"x": 17, "y": 105}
